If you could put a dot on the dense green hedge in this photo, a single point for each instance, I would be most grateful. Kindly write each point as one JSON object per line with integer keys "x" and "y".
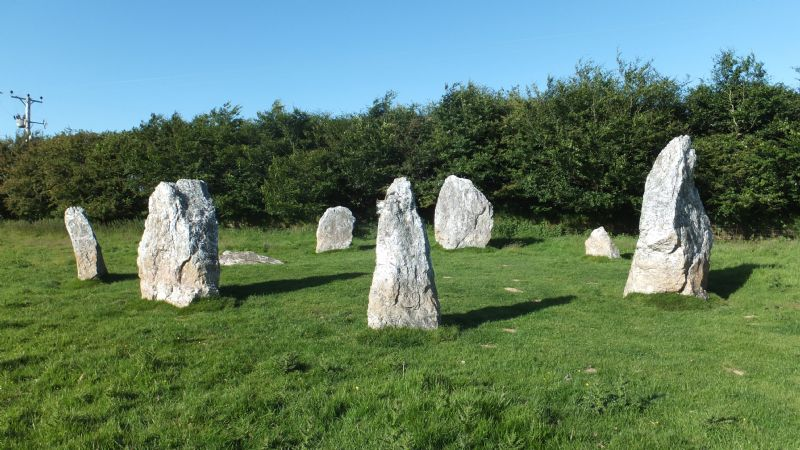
{"x": 576, "y": 151}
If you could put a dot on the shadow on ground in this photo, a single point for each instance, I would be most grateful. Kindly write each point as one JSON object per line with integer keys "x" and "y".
{"x": 115, "y": 277}
{"x": 513, "y": 242}
{"x": 480, "y": 316}
{"x": 725, "y": 282}
{"x": 241, "y": 291}
{"x": 365, "y": 247}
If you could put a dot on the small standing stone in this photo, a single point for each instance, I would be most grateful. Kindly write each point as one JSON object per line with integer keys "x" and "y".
{"x": 88, "y": 255}
{"x": 403, "y": 291}
{"x": 335, "y": 229}
{"x": 463, "y": 216}
{"x": 672, "y": 254}
{"x": 178, "y": 259}
{"x": 600, "y": 244}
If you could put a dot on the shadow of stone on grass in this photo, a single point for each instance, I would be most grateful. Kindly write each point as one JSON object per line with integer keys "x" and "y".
{"x": 513, "y": 242}
{"x": 725, "y": 282}
{"x": 478, "y": 317}
{"x": 240, "y": 292}
{"x": 116, "y": 277}
{"x": 675, "y": 302}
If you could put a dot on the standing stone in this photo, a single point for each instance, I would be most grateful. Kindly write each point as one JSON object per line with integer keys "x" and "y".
{"x": 178, "y": 259}
{"x": 600, "y": 244}
{"x": 463, "y": 216}
{"x": 403, "y": 292}
{"x": 672, "y": 254}
{"x": 88, "y": 255}
{"x": 335, "y": 229}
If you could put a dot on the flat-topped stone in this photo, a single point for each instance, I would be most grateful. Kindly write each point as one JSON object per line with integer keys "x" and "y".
{"x": 230, "y": 258}
{"x": 335, "y": 229}
{"x": 177, "y": 258}
{"x": 463, "y": 215}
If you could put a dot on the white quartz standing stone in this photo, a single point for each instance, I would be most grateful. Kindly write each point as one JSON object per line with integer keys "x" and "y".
{"x": 403, "y": 291}
{"x": 463, "y": 216}
{"x": 88, "y": 255}
{"x": 600, "y": 244}
{"x": 672, "y": 254}
{"x": 178, "y": 259}
{"x": 335, "y": 229}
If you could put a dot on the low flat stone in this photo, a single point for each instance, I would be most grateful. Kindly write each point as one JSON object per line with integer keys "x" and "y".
{"x": 88, "y": 255}
{"x": 229, "y": 258}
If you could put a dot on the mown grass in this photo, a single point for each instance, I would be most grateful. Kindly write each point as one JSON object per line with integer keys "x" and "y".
{"x": 283, "y": 358}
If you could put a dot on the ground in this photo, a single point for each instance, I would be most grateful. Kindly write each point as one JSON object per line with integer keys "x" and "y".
{"x": 284, "y": 357}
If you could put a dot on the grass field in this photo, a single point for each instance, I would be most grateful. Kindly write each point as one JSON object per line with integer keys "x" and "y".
{"x": 284, "y": 357}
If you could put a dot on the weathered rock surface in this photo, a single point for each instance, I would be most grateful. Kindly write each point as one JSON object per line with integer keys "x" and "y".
{"x": 403, "y": 291}
{"x": 178, "y": 259}
{"x": 229, "y": 258}
{"x": 672, "y": 254}
{"x": 600, "y": 244}
{"x": 88, "y": 255}
{"x": 335, "y": 229}
{"x": 463, "y": 216}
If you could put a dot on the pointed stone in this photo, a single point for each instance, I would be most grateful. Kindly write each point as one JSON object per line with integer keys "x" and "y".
{"x": 672, "y": 254}
{"x": 335, "y": 229}
{"x": 463, "y": 216}
{"x": 600, "y": 244}
{"x": 178, "y": 259}
{"x": 88, "y": 255}
{"x": 403, "y": 291}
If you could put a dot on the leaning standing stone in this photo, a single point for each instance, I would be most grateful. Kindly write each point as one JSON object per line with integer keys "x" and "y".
{"x": 178, "y": 259}
{"x": 88, "y": 255}
{"x": 600, "y": 244}
{"x": 403, "y": 292}
{"x": 463, "y": 216}
{"x": 335, "y": 229}
{"x": 672, "y": 254}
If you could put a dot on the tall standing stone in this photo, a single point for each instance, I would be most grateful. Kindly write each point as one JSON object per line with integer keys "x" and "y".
{"x": 178, "y": 259}
{"x": 403, "y": 292}
{"x": 335, "y": 229}
{"x": 463, "y": 216}
{"x": 87, "y": 251}
{"x": 672, "y": 254}
{"x": 600, "y": 244}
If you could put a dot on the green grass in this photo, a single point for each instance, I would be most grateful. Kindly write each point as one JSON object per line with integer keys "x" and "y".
{"x": 284, "y": 357}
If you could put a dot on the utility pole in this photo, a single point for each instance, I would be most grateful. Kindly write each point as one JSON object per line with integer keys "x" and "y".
{"x": 25, "y": 121}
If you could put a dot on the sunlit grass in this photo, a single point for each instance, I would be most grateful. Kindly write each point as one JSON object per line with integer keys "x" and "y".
{"x": 283, "y": 358}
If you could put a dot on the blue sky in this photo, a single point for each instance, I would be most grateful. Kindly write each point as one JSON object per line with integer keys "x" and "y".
{"x": 108, "y": 65}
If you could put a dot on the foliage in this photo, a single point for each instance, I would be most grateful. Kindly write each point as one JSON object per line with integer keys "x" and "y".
{"x": 748, "y": 145}
{"x": 574, "y": 152}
